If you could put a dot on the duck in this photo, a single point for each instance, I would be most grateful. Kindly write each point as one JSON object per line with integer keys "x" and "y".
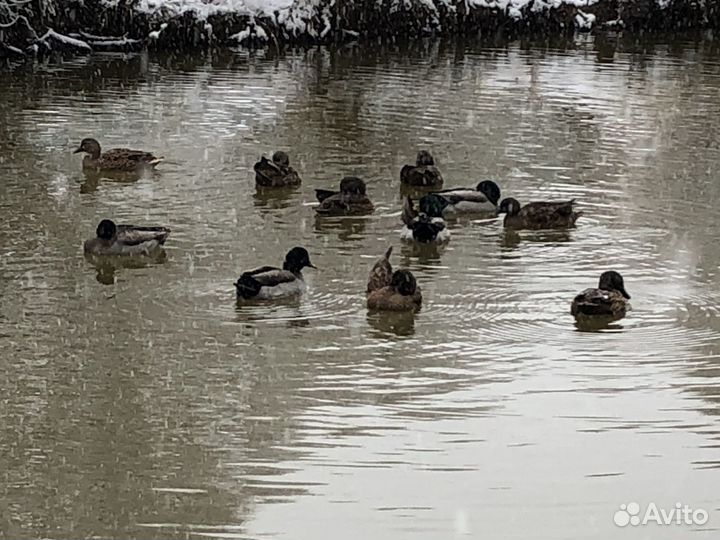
{"x": 276, "y": 173}
{"x": 112, "y": 239}
{"x": 116, "y": 159}
{"x": 610, "y": 299}
{"x": 392, "y": 291}
{"x": 426, "y": 226}
{"x": 538, "y": 215}
{"x": 424, "y": 173}
{"x": 483, "y": 199}
{"x": 350, "y": 200}
{"x": 268, "y": 282}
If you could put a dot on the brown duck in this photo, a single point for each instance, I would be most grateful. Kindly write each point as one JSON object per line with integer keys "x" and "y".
{"x": 610, "y": 299}
{"x": 350, "y": 200}
{"x": 117, "y": 159}
{"x": 423, "y": 174}
{"x": 392, "y": 291}
{"x": 276, "y": 173}
{"x": 538, "y": 215}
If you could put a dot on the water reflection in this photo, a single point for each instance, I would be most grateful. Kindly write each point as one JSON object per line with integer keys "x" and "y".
{"x": 92, "y": 178}
{"x": 106, "y": 267}
{"x": 348, "y": 229}
{"x": 398, "y": 324}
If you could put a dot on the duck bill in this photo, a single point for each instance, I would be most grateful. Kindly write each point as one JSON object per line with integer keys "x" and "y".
{"x": 78, "y": 151}
{"x": 311, "y": 265}
{"x": 624, "y": 293}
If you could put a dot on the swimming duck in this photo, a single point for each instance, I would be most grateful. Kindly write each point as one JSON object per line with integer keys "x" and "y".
{"x": 427, "y": 225}
{"x": 424, "y": 173}
{"x": 276, "y": 173}
{"x": 117, "y": 159}
{"x": 610, "y": 299}
{"x": 539, "y": 215}
{"x": 392, "y": 291}
{"x": 114, "y": 239}
{"x": 483, "y": 199}
{"x": 351, "y": 199}
{"x": 271, "y": 282}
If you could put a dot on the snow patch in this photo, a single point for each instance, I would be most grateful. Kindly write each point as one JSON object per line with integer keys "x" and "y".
{"x": 584, "y": 21}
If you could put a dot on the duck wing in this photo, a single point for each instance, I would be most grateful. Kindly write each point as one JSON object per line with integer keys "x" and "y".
{"x": 405, "y": 173}
{"x": 421, "y": 176}
{"x": 131, "y": 235}
{"x": 250, "y": 282}
{"x": 409, "y": 214}
{"x": 267, "y": 172}
{"x": 550, "y": 214}
{"x": 125, "y": 158}
{"x": 457, "y": 195}
{"x": 599, "y": 302}
{"x": 381, "y": 273}
{"x": 322, "y": 194}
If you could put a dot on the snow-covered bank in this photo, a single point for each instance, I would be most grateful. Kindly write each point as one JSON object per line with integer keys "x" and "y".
{"x": 44, "y": 25}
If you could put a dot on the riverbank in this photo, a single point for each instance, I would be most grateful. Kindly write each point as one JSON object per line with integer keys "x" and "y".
{"x": 41, "y": 27}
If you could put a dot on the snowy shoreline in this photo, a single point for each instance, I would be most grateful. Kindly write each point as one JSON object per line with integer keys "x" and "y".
{"x": 80, "y": 27}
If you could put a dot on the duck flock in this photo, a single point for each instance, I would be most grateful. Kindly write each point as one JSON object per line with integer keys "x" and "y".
{"x": 424, "y": 222}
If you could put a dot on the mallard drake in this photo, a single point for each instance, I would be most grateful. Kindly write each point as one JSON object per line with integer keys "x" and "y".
{"x": 117, "y": 159}
{"x": 483, "y": 199}
{"x": 271, "y": 282}
{"x": 424, "y": 173}
{"x": 610, "y": 299}
{"x": 392, "y": 291}
{"x": 427, "y": 225}
{"x": 114, "y": 239}
{"x": 350, "y": 200}
{"x": 538, "y": 215}
{"x": 276, "y": 173}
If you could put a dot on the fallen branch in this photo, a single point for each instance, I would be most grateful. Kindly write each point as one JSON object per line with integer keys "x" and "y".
{"x": 51, "y": 40}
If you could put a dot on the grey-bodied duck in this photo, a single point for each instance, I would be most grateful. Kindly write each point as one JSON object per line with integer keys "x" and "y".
{"x": 268, "y": 282}
{"x": 111, "y": 239}
{"x": 116, "y": 159}
{"x": 481, "y": 200}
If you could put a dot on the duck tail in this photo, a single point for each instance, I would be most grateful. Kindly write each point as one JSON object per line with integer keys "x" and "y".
{"x": 322, "y": 194}
{"x": 247, "y": 286}
{"x": 163, "y": 235}
{"x": 388, "y": 253}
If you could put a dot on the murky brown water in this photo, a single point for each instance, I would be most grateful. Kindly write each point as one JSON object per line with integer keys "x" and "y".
{"x": 142, "y": 402}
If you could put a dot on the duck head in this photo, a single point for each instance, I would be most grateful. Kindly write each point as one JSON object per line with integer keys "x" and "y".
{"x": 490, "y": 189}
{"x": 613, "y": 281}
{"x": 352, "y": 185}
{"x": 89, "y": 146}
{"x": 281, "y": 159}
{"x": 404, "y": 282}
{"x": 510, "y": 206}
{"x": 297, "y": 259}
{"x": 106, "y": 229}
{"x": 424, "y": 158}
{"x": 433, "y": 205}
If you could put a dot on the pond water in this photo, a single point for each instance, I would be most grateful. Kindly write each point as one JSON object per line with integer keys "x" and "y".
{"x": 143, "y": 402}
